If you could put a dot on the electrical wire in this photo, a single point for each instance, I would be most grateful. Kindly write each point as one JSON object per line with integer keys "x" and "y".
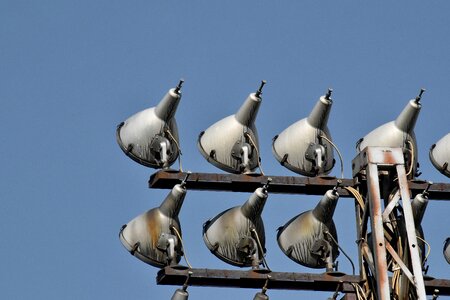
{"x": 358, "y": 291}
{"x": 412, "y": 158}
{"x": 178, "y": 147}
{"x": 428, "y": 247}
{"x": 338, "y": 152}
{"x": 356, "y": 195}
{"x": 182, "y": 245}
{"x": 256, "y": 149}
{"x": 260, "y": 248}
{"x": 340, "y": 248}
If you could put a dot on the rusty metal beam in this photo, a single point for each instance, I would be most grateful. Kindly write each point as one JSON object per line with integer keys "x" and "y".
{"x": 248, "y": 183}
{"x": 278, "y": 280}
{"x": 252, "y": 279}
{"x": 279, "y": 184}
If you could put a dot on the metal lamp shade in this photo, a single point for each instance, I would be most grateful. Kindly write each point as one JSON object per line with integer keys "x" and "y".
{"x": 229, "y": 235}
{"x": 151, "y": 237}
{"x": 261, "y": 296}
{"x": 298, "y": 238}
{"x": 440, "y": 155}
{"x": 180, "y": 294}
{"x": 418, "y": 206}
{"x": 300, "y": 147}
{"x": 230, "y": 143}
{"x": 150, "y": 137}
{"x": 447, "y": 250}
{"x": 397, "y": 134}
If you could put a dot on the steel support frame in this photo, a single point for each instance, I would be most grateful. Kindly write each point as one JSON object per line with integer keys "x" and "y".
{"x": 166, "y": 179}
{"x": 368, "y": 165}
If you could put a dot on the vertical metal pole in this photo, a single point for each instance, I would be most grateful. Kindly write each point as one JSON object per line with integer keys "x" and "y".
{"x": 411, "y": 233}
{"x": 376, "y": 219}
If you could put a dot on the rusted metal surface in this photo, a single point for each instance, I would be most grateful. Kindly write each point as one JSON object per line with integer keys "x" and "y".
{"x": 367, "y": 165}
{"x": 414, "y": 256}
{"x": 438, "y": 191}
{"x": 443, "y": 285}
{"x": 349, "y": 297}
{"x": 400, "y": 262}
{"x": 280, "y": 184}
{"x": 248, "y": 183}
{"x": 378, "y": 245}
{"x": 278, "y": 280}
{"x": 251, "y": 279}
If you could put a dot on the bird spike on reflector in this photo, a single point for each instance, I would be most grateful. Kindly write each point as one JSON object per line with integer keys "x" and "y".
{"x": 231, "y": 144}
{"x": 440, "y": 155}
{"x": 237, "y": 236}
{"x": 150, "y": 137}
{"x": 398, "y": 133}
{"x": 304, "y": 147}
{"x": 153, "y": 237}
{"x": 305, "y": 240}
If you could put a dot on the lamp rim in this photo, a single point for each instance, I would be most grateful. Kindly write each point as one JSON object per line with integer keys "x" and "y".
{"x": 136, "y": 158}
{"x": 138, "y": 254}
{"x": 215, "y": 162}
{"x": 294, "y": 169}
{"x": 211, "y": 247}
{"x": 436, "y": 164}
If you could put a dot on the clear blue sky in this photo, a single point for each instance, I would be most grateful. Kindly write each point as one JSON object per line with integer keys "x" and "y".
{"x": 70, "y": 71}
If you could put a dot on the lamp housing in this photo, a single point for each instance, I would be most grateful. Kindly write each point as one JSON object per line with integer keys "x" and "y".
{"x": 150, "y": 137}
{"x": 304, "y": 147}
{"x": 304, "y": 238}
{"x": 153, "y": 236}
{"x": 261, "y": 296}
{"x": 232, "y": 144}
{"x": 446, "y": 250}
{"x": 418, "y": 206}
{"x": 398, "y": 134}
{"x": 440, "y": 155}
{"x": 237, "y": 235}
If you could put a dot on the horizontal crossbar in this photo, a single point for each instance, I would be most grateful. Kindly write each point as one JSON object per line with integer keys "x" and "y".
{"x": 279, "y": 184}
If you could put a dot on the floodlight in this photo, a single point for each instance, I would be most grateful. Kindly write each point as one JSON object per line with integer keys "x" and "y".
{"x": 150, "y": 137}
{"x": 418, "y": 206}
{"x": 232, "y": 143}
{"x": 182, "y": 293}
{"x": 305, "y": 147}
{"x": 237, "y": 236}
{"x": 447, "y": 250}
{"x": 306, "y": 238}
{"x": 398, "y": 133}
{"x": 262, "y": 295}
{"x": 440, "y": 155}
{"x": 154, "y": 237}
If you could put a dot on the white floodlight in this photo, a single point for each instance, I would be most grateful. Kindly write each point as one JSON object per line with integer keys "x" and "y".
{"x": 310, "y": 238}
{"x": 262, "y": 295}
{"x": 440, "y": 155}
{"x": 182, "y": 293}
{"x": 232, "y": 143}
{"x": 446, "y": 250}
{"x": 398, "y": 134}
{"x": 237, "y": 236}
{"x": 418, "y": 206}
{"x": 150, "y": 137}
{"x": 154, "y": 237}
{"x": 305, "y": 146}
